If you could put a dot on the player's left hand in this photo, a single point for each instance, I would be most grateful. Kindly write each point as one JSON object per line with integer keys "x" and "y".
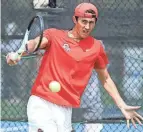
{"x": 130, "y": 114}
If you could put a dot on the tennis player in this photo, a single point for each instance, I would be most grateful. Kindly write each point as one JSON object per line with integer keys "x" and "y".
{"x": 69, "y": 58}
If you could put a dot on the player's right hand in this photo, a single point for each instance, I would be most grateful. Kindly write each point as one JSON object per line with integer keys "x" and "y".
{"x": 10, "y": 60}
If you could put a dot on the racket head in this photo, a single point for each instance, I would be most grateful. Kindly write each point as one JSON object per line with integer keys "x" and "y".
{"x": 35, "y": 29}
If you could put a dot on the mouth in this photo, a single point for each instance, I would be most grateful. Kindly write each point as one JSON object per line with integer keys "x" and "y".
{"x": 85, "y": 31}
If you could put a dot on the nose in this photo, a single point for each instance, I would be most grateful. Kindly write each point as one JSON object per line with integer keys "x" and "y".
{"x": 87, "y": 26}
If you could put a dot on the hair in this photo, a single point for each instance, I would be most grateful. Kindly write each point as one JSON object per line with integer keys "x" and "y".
{"x": 89, "y": 11}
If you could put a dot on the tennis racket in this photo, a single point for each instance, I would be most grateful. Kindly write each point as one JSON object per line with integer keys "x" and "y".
{"x": 35, "y": 29}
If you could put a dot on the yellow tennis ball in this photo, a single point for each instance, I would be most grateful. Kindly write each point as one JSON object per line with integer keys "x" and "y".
{"x": 54, "y": 86}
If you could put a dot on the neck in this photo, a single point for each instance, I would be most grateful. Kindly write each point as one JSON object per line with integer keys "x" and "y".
{"x": 74, "y": 35}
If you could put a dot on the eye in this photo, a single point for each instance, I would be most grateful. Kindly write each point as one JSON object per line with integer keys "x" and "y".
{"x": 84, "y": 21}
{"x": 91, "y": 22}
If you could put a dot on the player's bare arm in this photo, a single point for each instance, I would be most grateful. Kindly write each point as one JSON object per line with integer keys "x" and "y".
{"x": 31, "y": 44}
{"x": 128, "y": 111}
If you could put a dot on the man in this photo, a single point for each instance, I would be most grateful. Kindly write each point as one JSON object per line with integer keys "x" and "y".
{"x": 69, "y": 58}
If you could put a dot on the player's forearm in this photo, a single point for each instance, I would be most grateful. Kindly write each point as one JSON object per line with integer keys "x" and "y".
{"x": 111, "y": 88}
{"x": 31, "y": 45}
{"x": 29, "y": 48}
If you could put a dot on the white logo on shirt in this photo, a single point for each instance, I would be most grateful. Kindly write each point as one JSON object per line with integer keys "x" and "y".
{"x": 66, "y": 47}
{"x": 87, "y": 50}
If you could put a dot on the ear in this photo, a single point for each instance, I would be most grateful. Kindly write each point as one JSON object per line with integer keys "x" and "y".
{"x": 74, "y": 20}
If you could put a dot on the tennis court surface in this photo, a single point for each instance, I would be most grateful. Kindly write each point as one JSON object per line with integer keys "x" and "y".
{"x": 7, "y": 126}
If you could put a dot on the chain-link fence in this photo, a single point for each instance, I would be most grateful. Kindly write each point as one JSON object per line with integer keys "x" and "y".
{"x": 120, "y": 27}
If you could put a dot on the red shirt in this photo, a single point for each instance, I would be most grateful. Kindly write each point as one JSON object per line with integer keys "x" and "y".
{"x": 71, "y": 64}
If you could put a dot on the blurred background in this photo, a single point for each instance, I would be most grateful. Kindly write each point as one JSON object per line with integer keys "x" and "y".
{"x": 119, "y": 27}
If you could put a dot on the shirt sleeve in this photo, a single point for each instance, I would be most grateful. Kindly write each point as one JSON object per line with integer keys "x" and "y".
{"x": 48, "y": 33}
{"x": 102, "y": 59}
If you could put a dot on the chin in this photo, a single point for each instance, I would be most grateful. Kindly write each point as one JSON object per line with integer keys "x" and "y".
{"x": 84, "y": 36}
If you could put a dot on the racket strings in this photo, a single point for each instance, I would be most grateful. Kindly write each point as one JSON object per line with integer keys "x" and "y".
{"x": 35, "y": 29}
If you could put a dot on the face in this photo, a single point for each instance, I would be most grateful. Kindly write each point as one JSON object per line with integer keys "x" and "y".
{"x": 84, "y": 26}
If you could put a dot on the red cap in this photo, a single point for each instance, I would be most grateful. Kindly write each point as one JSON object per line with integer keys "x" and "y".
{"x": 81, "y": 9}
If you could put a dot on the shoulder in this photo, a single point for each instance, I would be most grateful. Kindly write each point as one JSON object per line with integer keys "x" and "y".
{"x": 98, "y": 43}
{"x": 54, "y": 30}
